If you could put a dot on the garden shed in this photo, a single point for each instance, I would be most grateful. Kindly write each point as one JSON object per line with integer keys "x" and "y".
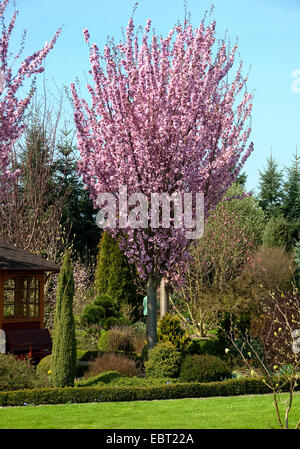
{"x": 22, "y": 282}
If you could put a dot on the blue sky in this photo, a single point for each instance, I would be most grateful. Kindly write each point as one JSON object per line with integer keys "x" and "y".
{"x": 269, "y": 42}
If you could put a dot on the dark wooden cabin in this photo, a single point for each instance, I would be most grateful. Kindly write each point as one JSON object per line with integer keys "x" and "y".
{"x": 22, "y": 281}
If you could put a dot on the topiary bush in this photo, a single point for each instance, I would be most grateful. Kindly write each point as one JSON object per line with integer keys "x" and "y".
{"x": 163, "y": 361}
{"x": 169, "y": 330}
{"x": 203, "y": 368}
{"x": 43, "y": 368}
{"x": 17, "y": 374}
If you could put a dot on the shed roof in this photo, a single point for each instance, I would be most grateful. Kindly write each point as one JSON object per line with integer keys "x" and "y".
{"x": 14, "y": 258}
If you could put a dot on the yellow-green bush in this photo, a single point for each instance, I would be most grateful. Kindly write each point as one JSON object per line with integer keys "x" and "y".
{"x": 163, "y": 361}
{"x": 169, "y": 330}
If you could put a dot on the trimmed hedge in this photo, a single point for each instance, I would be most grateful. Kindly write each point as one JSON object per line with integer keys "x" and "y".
{"x": 232, "y": 387}
{"x": 203, "y": 368}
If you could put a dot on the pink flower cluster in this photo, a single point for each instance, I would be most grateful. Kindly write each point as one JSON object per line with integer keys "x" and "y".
{"x": 163, "y": 118}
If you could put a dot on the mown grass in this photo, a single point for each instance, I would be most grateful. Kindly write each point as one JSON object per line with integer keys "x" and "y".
{"x": 241, "y": 412}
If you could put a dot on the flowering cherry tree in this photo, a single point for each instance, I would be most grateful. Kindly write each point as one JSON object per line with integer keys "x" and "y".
{"x": 12, "y": 108}
{"x": 164, "y": 117}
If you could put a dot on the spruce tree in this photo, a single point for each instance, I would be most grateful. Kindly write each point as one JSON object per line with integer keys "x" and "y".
{"x": 270, "y": 188}
{"x": 291, "y": 201}
{"x": 276, "y": 232}
{"x": 115, "y": 276}
{"x": 291, "y": 197}
{"x": 64, "y": 344}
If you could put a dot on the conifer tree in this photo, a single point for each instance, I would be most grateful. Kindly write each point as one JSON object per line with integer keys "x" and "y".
{"x": 276, "y": 232}
{"x": 291, "y": 201}
{"x": 102, "y": 272}
{"x": 270, "y": 193}
{"x": 115, "y": 276}
{"x": 64, "y": 344}
{"x": 291, "y": 198}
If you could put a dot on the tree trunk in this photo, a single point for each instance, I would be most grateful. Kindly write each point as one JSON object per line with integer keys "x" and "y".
{"x": 151, "y": 313}
{"x": 164, "y": 297}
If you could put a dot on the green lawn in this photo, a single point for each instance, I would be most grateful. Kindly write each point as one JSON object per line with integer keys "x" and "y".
{"x": 241, "y": 412}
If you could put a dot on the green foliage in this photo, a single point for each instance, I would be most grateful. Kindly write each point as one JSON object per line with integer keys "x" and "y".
{"x": 276, "y": 232}
{"x": 145, "y": 353}
{"x": 16, "y": 374}
{"x": 170, "y": 330}
{"x": 291, "y": 197}
{"x": 114, "y": 276}
{"x": 44, "y": 366}
{"x": 78, "y": 213}
{"x": 103, "y": 312}
{"x": 251, "y": 217}
{"x": 86, "y": 355}
{"x": 206, "y": 346}
{"x": 103, "y": 343}
{"x": 163, "y": 361}
{"x": 113, "y": 378}
{"x": 203, "y": 368}
{"x": 64, "y": 344}
{"x": 270, "y": 188}
{"x": 232, "y": 387}
{"x": 242, "y": 346}
{"x": 102, "y": 378}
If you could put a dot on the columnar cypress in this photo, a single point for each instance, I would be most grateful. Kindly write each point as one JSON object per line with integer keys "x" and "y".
{"x": 64, "y": 344}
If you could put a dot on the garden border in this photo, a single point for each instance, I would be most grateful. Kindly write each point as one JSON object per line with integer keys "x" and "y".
{"x": 231, "y": 387}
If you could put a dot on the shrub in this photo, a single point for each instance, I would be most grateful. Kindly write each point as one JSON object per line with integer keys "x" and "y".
{"x": 206, "y": 346}
{"x": 163, "y": 361}
{"x": 169, "y": 330}
{"x": 103, "y": 343}
{"x": 122, "y": 338}
{"x": 86, "y": 355}
{"x": 242, "y": 346}
{"x": 44, "y": 367}
{"x": 112, "y": 362}
{"x": 144, "y": 353}
{"x": 16, "y": 374}
{"x": 232, "y": 387}
{"x": 103, "y": 378}
{"x": 119, "y": 380}
{"x": 203, "y": 368}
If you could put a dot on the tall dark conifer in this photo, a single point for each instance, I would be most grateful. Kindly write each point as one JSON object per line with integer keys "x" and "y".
{"x": 270, "y": 188}
{"x": 64, "y": 343}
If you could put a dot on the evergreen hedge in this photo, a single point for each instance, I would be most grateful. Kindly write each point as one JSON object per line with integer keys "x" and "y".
{"x": 232, "y": 387}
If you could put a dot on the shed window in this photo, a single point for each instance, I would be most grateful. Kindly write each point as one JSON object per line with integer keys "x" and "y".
{"x": 21, "y": 298}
